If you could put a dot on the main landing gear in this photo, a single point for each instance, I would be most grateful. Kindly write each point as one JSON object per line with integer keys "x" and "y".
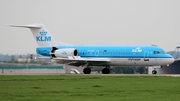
{"x": 87, "y": 70}
{"x": 105, "y": 70}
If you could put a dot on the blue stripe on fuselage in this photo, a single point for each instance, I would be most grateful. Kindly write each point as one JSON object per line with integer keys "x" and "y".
{"x": 111, "y": 51}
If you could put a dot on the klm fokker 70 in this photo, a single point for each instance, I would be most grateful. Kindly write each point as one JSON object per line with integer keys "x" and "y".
{"x": 96, "y": 55}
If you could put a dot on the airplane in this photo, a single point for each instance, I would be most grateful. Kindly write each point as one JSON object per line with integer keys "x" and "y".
{"x": 86, "y": 56}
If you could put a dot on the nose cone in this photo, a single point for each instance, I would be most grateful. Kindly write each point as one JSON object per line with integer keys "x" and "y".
{"x": 171, "y": 59}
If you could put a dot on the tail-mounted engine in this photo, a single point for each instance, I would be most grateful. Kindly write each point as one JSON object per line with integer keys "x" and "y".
{"x": 63, "y": 53}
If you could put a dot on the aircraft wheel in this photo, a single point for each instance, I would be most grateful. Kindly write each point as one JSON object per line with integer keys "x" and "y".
{"x": 154, "y": 72}
{"x": 87, "y": 70}
{"x": 105, "y": 71}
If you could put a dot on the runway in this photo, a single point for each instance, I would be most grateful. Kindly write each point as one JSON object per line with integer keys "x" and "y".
{"x": 172, "y": 75}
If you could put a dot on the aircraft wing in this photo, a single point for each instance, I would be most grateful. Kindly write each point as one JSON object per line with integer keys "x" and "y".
{"x": 77, "y": 60}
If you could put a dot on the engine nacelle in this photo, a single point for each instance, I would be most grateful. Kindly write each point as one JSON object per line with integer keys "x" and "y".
{"x": 64, "y": 53}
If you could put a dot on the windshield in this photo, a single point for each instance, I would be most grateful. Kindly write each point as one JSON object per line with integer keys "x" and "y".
{"x": 158, "y": 52}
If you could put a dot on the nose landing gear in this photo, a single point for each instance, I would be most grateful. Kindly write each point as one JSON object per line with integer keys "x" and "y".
{"x": 154, "y": 72}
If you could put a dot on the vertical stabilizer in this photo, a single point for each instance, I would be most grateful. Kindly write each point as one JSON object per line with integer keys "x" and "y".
{"x": 41, "y": 34}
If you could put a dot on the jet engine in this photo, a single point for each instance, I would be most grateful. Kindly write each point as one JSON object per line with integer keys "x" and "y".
{"x": 63, "y": 53}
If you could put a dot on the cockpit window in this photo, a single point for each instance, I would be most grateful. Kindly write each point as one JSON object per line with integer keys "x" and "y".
{"x": 163, "y": 52}
{"x": 156, "y": 52}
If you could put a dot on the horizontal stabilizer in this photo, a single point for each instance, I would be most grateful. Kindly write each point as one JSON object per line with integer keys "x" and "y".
{"x": 28, "y": 26}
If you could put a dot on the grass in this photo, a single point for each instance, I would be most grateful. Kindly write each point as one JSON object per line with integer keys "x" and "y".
{"x": 88, "y": 88}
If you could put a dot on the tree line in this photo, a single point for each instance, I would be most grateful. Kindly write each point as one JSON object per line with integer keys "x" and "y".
{"x": 122, "y": 70}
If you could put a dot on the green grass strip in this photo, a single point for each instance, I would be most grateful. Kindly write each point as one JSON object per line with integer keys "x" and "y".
{"x": 88, "y": 88}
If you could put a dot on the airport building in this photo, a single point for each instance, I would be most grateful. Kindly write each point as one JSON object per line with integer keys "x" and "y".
{"x": 38, "y": 69}
{"x": 29, "y": 65}
{"x": 32, "y": 69}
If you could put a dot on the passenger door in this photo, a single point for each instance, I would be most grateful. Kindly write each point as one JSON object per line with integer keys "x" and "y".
{"x": 146, "y": 56}
{"x": 97, "y": 53}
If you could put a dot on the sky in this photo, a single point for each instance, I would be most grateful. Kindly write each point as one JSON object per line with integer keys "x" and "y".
{"x": 91, "y": 22}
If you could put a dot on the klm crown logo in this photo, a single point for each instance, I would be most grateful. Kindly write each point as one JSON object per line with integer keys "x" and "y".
{"x": 43, "y": 36}
{"x": 43, "y": 33}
